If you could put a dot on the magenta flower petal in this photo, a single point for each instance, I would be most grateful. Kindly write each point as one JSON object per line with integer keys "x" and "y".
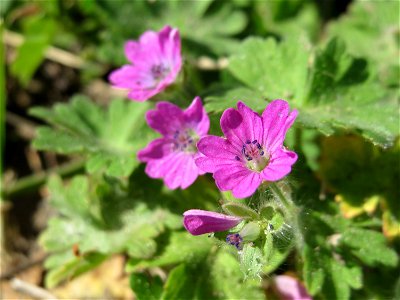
{"x": 253, "y": 128}
{"x": 241, "y": 125}
{"x": 172, "y": 157}
{"x": 276, "y": 121}
{"x": 227, "y": 178}
{"x": 247, "y": 186}
{"x": 232, "y": 127}
{"x": 157, "y": 149}
{"x": 280, "y": 165}
{"x": 289, "y": 288}
{"x": 167, "y": 118}
{"x": 252, "y": 151}
{"x": 129, "y": 77}
{"x": 196, "y": 115}
{"x": 198, "y": 221}
{"x": 155, "y": 63}
{"x": 218, "y": 153}
{"x": 132, "y": 50}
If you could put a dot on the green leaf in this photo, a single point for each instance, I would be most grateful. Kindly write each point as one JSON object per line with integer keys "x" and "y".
{"x": 342, "y": 94}
{"x": 251, "y": 261}
{"x": 239, "y": 210}
{"x": 183, "y": 283}
{"x": 263, "y": 65}
{"x": 181, "y": 248}
{"x": 370, "y": 247}
{"x": 105, "y": 221}
{"x": 110, "y": 139}
{"x": 332, "y": 90}
{"x": 146, "y": 288}
{"x": 204, "y": 28}
{"x": 227, "y": 279}
{"x": 341, "y": 288}
{"x": 276, "y": 248}
{"x": 38, "y": 34}
{"x": 376, "y": 34}
{"x": 313, "y": 273}
{"x": 73, "y": 268}
{"x": 225, "y": 97}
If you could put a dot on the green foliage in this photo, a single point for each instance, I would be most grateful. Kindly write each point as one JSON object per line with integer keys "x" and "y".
{"x": 341, "y": 235}
{"x": 240, "y": 210}
{"x": 203, "y": 26}
{"x": 38, "y": 34}
{"x": 333, "y": 246}
{"x": 219, "y": 278}
{"x": 180, "y": 247}
{"x": 145, "y": 287}
{"x": 376, "y": 34}
{"x": 110, "y": 139}
{"x": 100, "y": 220}
{"x": 332, "y": 90}
{"x": 370, "y": 247}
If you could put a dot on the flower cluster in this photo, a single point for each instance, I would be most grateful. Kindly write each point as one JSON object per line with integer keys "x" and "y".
{"x": 251, "y": 151}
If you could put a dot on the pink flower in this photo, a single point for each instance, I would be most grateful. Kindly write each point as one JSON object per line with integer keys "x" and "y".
{"x": 252, "y": 150}
{"x": 155, "y": 62}
{"x": 289, "y": 288}
{"x": 198, "y": 221}
{"x": 172, "y": 157}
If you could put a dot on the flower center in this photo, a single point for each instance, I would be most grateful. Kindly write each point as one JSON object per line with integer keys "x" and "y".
{"x": 185, "y": 140}
{"x": 159, "y": 72}
{"x": 253, "y": 155}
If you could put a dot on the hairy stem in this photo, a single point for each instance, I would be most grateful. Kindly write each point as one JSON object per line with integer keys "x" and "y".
{"x": 288, "y": 204}
{"x": 34, "y": 181}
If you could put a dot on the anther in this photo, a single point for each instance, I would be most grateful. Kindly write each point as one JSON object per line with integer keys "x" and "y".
{"x": 248, "y": 142}
{"x": 237, "y": 158}
{"x": 254, "y": 142}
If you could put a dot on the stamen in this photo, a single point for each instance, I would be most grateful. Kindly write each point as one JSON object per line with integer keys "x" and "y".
{"x": 159, "y": 71}
{"x": 234, "y": 239}
{"x": 253, "y": 155}
{"x": 184, "y": 140}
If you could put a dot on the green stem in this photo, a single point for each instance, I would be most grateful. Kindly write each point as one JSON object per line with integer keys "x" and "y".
{"x": 292, "y": 213}
{"x": 33, "y": 182}
{"x": 278, "y": 193}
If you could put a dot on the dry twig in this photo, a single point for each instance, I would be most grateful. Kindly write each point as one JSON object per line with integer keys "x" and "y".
{"x": 30, "y": 289}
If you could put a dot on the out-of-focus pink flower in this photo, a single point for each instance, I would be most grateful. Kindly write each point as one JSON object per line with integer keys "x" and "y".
{"x": 198, "y": 221}
{"x": 155, "y": 63}
{"x": 172, "y": 157}
{"x": 289, "y": 288}
{"x": 252, "y": 150}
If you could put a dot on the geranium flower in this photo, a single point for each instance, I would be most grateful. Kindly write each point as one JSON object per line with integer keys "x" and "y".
{"x": 252, "y": 150}
{"x": 198, "y": 221}
{"x": 290, "y": 288}
{"x": 172, "y": 157}
{"x": 155, "y": 63}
